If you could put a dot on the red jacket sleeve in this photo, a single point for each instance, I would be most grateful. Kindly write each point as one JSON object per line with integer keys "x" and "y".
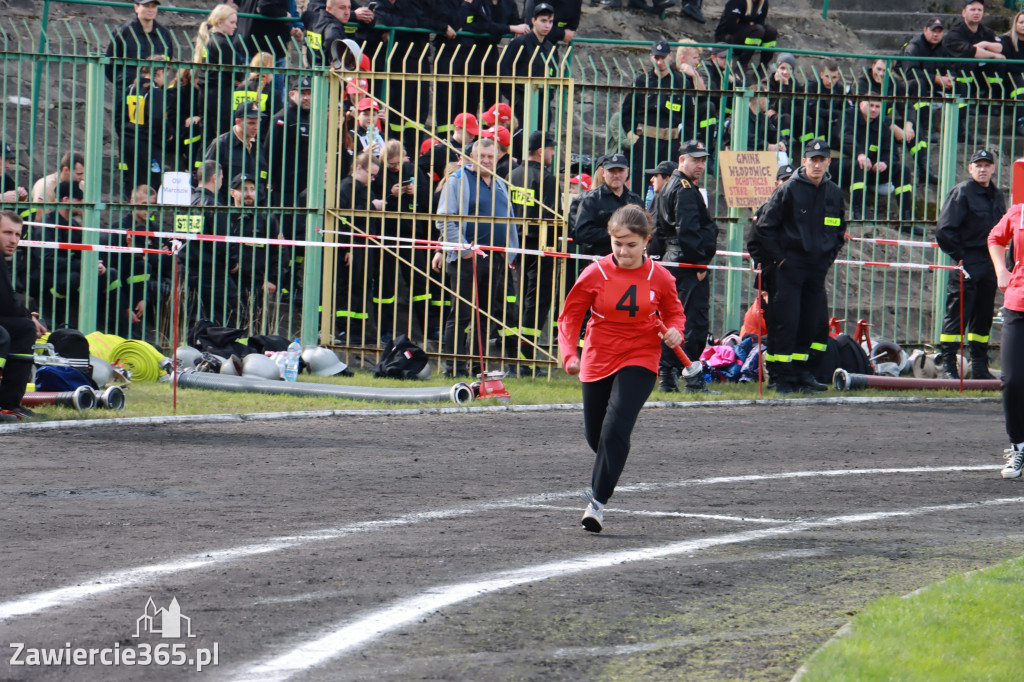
{"x": 577, "y": 303}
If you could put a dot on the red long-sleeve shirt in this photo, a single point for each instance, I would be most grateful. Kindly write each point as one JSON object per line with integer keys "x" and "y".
{"x": 623, "y": 329}
{"x": 1010, "y": 228}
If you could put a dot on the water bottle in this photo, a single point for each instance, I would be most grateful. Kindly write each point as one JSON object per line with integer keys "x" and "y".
{"x": 650, "y": 197}
{"x": 291, "y": 363}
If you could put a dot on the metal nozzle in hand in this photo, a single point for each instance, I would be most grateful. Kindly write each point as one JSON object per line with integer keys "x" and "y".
{"x": 690, "y": 369}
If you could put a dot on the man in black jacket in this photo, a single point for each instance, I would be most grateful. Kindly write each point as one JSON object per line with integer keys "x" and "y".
{"x": 287, "y": 146}
{"x": 875, "y": 162}
{"x": 208, "y": 263}
{"x": 566, "y": 17}
{"x": 238, "y": 152}
{"x": 353, "y": 324}
{"x": 691, "y": 237}
{"x": 652, "y": 112}
{"x": 801, "y": 231}
{"x": 927, "y": 79}
{"x": 140, "y": 38}
{"x": 535, "y": 194}
{"x": 256, "y": 265}
{"x": 969, "y": 38}
{"x": 19, "y": 328}
{"x": 589, "y": 225}
{"x": 971, "y": 210}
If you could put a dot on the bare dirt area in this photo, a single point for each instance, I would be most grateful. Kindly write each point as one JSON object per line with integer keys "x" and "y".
{"x": 447, "y": 546}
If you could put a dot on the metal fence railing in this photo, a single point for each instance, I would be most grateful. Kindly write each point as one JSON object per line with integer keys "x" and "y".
{"x": 158, "y": 128}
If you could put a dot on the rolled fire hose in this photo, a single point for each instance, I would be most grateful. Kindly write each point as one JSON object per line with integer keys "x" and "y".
{"x": 140, "y": 357}
{"x": 844, "y": 381}
{"x": 82, "y": 398}
{"x": 101, "y": 345}
{"x": 459, "y": 393}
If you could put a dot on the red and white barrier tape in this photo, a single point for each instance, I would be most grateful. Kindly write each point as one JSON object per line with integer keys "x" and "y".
{"x": 103, "y": 248}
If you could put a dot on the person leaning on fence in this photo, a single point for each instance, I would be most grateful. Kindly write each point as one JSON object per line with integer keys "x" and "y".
{"x": 969, "y": 213}
{"x": 19, "y": 328}
{"x": 353, "y": 325}
{"x": 823, "y": 108}
{"x": 44, "y": 190}
{"x": 256, "y": 270}
{"x": 801, "y": 231}
{"x": 287, "y": 148}
{"x": 690, "y": 235}
{"x": 653, "y": 111}
{"x": 743, "y": 22}
{"x": 238, "y": 152}
{"x": 139, "y": 38}
{"x": 143, "y": 281}
{"x": 273, "y": 32}
{"x": 594, "y": 207}
{"x": 59, "y": 274}
{"x": 875, "y": 162}
{"x": 531, "y": 55}
{"x": 1013, "y": 81}
{"x": 10, "y": 190}
{"x": 1009, "y": 231}
{"x": 969, "y": 38}
{"x": 535, "y": 195}
{"x": 207, "y": 263}
{"x": 926, "y": 80}
{"x": 141, "y": 122}
{"x": 472, "y": 210}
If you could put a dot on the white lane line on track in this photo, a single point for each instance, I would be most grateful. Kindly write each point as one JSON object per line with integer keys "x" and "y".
{"x": 350, "y": 635}
{"x": 681, "y": 515}
{"x": 115, "y": 580}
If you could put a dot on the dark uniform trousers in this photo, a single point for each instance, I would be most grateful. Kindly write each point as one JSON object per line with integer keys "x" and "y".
{"x": 17, "y": 334}
{"x": 695, "y": 295}
{"x": 978, "y": 302}
{"x": 798, "y": 329}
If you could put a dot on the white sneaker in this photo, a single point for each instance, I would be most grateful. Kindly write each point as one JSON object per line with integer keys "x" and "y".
{"x": 593, "y": 516}
{"x": 1015, "y": 465}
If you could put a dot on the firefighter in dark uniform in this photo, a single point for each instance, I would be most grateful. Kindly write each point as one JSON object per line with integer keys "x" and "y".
{"x": 567, "y": 15}
{"x": 652, "y": 113}
{"x": 535, "y": 194}
{"x": 238, "y": 152}
{"x": 255, "y": 268}
{"x": 595, "y": 207}
{"x": 139, "y": 38}
{"x": 207, "y": 262}
{"x": 141, "y": 122}
{"x": 690, "y": 236}
{"x": 801, "y": 231}
{"x": 531, "y": 55}
{"x": 971, "y": 211}
{"x": 352, "y": 282}
{"x": 19, "y": 328}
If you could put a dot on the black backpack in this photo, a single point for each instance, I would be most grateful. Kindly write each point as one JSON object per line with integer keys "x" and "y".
{"x": 402, "y": 359}
{"x": 842, "y": 352}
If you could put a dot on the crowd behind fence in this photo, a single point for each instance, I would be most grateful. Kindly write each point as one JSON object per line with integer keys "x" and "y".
{"x": 259, "y": 162}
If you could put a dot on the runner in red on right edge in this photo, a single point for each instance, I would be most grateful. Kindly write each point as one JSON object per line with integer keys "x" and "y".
{"x": 624, "y": 292}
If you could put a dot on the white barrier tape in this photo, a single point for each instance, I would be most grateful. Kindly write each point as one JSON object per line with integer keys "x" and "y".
{"x": 65, "y": 246}
{"x": 895, "y": 242}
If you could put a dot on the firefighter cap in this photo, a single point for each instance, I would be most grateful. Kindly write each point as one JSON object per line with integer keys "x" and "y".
{"x": 501, "y": 134}
{"x": 614, "y": 161}
{"x": 247, "y": 110}
{"x": 242, "y": 178}
{"x": 9, "y": 152}
{"x": 665, "y": 168}
{"x": 468, "y": 122}
{"x": 660, "y": 49}
{"x": 784, "y": 172}
{"x": 816, "y": 147}
{"x": 983, "y": 155}
{"x": 498, "y": 113}
{"x": 694, "y": 148}
{"x": 544, "y": 8}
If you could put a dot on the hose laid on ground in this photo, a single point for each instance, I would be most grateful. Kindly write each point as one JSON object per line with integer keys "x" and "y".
{"x": 844, "y": 381}
{"x": 101, "y": 345}
{"x": 459, "y": 393}
{"x": 82, "y": 398}
{"x": 140, "y": 357}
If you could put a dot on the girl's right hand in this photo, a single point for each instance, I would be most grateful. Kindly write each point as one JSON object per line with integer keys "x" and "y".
{"x": 572, "y": 366}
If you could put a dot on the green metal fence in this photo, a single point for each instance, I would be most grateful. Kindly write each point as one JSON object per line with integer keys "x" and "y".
{"x": 81, "y": 111}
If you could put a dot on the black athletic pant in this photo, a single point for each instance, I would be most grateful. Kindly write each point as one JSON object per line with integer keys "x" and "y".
{"x": 610, "y": 408}
{"x": 978, "y": 303}
{"x": 695, "y": 295}
{"x": 1012, "y": 373}
{"x": 17, "y": 334}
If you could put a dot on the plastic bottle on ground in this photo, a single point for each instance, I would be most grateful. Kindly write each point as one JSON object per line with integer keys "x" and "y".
{"x": 291, "y": 363}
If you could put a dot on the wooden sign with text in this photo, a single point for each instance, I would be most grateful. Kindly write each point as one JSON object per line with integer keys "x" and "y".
{"x": 748, "y": 178}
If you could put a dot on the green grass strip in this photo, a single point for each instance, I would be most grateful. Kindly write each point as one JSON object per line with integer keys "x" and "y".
{"x": 969, "y": 627}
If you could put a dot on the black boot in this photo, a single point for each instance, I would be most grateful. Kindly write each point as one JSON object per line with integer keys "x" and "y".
{"x": 667, "y": 382}
{"x": 949, "y": 369}
{"x": 805, "y": 380}
{"x": 781, "y": 379}
{"x": 979, "y": 361}
{"x": 691, "y": 8}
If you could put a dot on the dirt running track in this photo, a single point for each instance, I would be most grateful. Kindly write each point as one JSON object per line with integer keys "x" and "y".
{"x": 447, "y": 547}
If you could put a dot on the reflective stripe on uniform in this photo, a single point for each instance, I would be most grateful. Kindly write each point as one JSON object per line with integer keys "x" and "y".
{"x": 818, "y": 346}
{"x": 976, "y": 338}
{"x": 950, "y": 338}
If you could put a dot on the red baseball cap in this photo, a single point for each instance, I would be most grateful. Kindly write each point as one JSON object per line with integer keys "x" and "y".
{"x": 367, "y": 103}
{"x": 498, "y": 113}
{"x": 357, "y": 86}
{"x": 499, "y": 133}
{"x": 467, "y": 121}
{"x": 583, "y": 180}
{"x": 364, "y": 64}
{"x": 428, "y": 144}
